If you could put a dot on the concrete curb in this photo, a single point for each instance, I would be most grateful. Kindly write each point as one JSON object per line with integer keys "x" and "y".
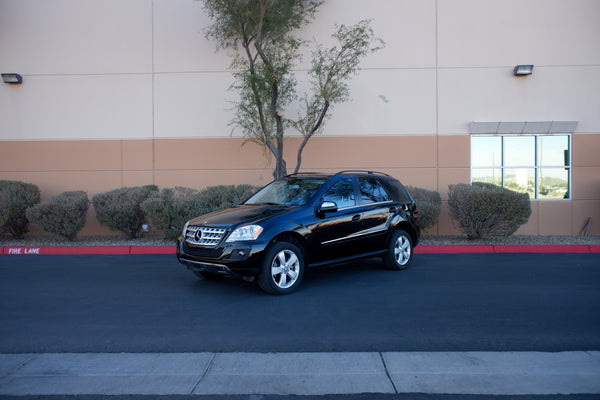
{"x": 483, "y": 373}
{"x": 508, "y": 249}
{"x": 79, "y": 250}
{"x": 445, "y": 249}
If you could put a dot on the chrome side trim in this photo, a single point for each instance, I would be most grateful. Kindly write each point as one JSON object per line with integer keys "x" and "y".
{"x": 356, "y": 235}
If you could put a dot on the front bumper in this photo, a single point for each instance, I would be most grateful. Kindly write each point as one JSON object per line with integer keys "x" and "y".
{"x": 238, "y": 258}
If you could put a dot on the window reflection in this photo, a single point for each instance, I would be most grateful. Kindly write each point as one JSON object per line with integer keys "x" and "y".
{"x": 486, "y": 151}
{"x": 520, "y": 180}
{"x": 288, "y": 192}
{"x": 341, "y": 193}
{"x": 371, "y": 191}
{"x": 487, "y": 175}
{"x": 553, "y": 151}
{"x": 536, "y": 165}
{"x": 554, "y": 183}
{"x": 519, "y": 151}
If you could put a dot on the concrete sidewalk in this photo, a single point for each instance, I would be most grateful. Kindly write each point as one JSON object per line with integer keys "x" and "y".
{"x": 494, "y": 373}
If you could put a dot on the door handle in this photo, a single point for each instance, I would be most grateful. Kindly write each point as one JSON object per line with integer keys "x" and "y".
{"x": 356, "y": 218}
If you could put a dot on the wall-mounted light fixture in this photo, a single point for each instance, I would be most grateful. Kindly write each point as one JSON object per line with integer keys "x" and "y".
{"x": 521, "y": 70}
{"x": 12, "y": 78}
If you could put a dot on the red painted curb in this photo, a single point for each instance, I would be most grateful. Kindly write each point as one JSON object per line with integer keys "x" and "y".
{"x": 448, "y": 249}
{"x": 78, "y": 250}
{"x": 594, "y": 248}
{"x": 65, "y": 250}
{"x": 152, "y": 250}
{"x": 454, "y": 249}
{"x": 542, "y": 249}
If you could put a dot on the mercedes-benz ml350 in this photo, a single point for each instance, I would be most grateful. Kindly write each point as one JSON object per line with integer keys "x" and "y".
{"x": 303, "y": 221}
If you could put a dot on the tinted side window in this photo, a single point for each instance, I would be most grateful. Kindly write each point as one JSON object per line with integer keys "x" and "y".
{"x": 371, "y": 191}
{"x": 341, "y": 193}
{"x": 397, "y": 191}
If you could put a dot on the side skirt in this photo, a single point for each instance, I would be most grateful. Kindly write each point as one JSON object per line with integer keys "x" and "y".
{"x": 344, "y": 259}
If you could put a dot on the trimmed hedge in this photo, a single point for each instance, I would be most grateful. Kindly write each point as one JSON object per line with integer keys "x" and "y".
{"x": 63, "y": 214}
{"x": 121, "y": 210}
{"x": 429, "y": 205}
{"x": 169, "y": 210}
{"x": 15, "y": 198}
{"x": 215, "y": 198}
{"x": 484, "y": 209}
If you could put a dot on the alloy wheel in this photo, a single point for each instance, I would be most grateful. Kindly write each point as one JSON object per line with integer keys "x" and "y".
{"x": 285, "y": 268}
{"x": 402, "y": 250}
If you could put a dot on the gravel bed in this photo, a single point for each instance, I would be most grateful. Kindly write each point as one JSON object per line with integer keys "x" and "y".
{"x": 157, "y": 240}
{"x": 510, "y": 240}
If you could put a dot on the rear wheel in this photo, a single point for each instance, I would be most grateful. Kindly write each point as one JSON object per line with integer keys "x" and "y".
{"x": 282, "y": 268}
{"x": 400, "y": 251}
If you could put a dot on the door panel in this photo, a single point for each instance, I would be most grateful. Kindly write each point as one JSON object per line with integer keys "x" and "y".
{"x": 336, "y": 232}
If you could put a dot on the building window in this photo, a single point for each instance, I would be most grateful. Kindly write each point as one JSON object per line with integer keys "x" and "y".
{"x": 539, "y": 165}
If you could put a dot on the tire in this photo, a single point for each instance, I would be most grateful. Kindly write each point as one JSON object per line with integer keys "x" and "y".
{"x": 209, "y": 276}
{"x": 400, "y": 251}
{"x": 282, "y": 268}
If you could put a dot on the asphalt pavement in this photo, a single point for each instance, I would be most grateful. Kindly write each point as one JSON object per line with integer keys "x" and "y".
{"x": 489, "y": 324}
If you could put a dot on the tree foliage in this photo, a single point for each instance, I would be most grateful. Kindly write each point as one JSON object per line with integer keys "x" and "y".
{"x": 263, "y": 36}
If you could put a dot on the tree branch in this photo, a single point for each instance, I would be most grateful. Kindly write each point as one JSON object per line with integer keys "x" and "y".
{"x": 257, "y": 100}
{"x": 310, "y": 134}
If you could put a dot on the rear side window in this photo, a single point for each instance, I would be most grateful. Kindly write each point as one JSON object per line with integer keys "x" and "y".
{"x": 371, "y": 191}
{"x": 396, "y": 189}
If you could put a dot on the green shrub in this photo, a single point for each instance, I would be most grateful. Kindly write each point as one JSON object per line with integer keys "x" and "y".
{"x": 15, "y": 198}
{"x": 429, "y": 204}
{"x": 121, "y": 210}
{"x": 215, "y": 198}
{"x": 63, "y": 214}
{"x": 484, "y": 209}
{"x": 170, "y": 209}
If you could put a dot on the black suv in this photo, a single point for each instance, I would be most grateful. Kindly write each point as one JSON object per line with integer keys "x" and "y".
{"x": 302, "y": 221}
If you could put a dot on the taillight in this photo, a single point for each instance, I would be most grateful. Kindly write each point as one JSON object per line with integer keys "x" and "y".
{"x": 415, "y": 215}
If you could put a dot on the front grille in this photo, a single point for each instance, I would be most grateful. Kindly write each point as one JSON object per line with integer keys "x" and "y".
{"x": 204, "y": 235}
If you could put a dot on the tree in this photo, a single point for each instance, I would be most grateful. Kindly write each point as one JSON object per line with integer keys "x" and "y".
{"x": 262, "y": 35}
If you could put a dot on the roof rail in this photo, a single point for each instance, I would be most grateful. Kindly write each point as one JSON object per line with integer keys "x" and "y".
{"x": 349, "y": 171}
{"x": 305, "y": 173}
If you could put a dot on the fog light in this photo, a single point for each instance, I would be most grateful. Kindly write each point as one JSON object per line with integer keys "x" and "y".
{"x": 240, "y": 254}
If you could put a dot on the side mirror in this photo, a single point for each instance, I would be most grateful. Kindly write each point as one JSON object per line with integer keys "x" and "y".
{"x": 327, "y": 206}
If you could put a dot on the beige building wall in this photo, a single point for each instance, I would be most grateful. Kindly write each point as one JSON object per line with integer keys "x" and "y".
{"x": 129, "y": 92}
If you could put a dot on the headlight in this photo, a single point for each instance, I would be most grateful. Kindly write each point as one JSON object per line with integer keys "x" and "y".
{"x": 248, "y": 232}
{"x": 185, "y": 229}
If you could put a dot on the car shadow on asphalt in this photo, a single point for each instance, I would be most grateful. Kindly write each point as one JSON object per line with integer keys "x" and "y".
{"x": 320, "y": 276}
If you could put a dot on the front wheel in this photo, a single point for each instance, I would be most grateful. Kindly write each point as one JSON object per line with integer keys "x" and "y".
{"x": 400, "y": 251}
{"x": 282, "y": 268}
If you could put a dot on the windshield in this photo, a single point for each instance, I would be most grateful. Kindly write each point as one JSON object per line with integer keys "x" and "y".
{"x": 287, "y": 192}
